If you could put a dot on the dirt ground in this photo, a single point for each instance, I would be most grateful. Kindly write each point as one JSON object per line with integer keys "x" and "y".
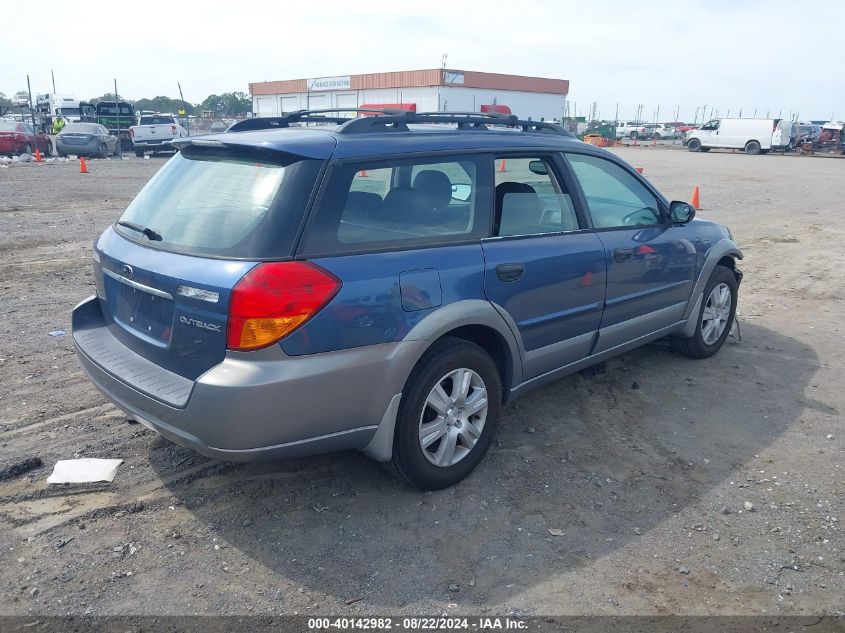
{"x": 620, "y": 490}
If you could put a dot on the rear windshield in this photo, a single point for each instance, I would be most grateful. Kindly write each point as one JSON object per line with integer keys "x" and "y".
{"x": 223, "y": 204}
{"x": 80, "y": 128}
{"x": 156, "y": 120}
{"x": 10, "y": 126}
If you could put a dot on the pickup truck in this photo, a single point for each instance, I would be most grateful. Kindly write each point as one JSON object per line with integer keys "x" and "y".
{"x": 632, "y": 130}
{"x": 154, "y": 133}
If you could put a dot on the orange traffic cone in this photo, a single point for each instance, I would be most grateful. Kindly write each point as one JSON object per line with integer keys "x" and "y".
{"x": 37, "y": 155}
{"x": 696, "y": 198}
{"x": 362, "y": 173}
{"x": 503, "y": 165}
{"x": 83, "y": 168}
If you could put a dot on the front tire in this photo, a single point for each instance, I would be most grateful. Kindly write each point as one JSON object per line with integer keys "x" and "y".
{"x": 694, "y": 145}
{"x": 633, "y": 136}
{"x": 27, "y": 149}
{"x": 447, "y": 416}
{"x": 139, "y": 153}
{"x": 715, "y": 318}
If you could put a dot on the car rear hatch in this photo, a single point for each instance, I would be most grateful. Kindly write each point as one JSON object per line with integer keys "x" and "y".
{"x": 166, "y": 269}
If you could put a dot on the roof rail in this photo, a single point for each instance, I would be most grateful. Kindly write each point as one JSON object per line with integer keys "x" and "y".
{"x": 390, "y": 119}
{"x": 306, "y": 116}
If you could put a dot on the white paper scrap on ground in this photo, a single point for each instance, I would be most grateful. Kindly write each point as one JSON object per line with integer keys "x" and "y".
{"x": 85, "y": 470}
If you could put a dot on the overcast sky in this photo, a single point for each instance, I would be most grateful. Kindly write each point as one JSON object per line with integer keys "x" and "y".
{"x": 779, "y": 55}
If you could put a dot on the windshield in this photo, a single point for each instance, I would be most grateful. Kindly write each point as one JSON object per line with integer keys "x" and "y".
{"x": 225, "y": 204}
{"x": 69, "y": 111}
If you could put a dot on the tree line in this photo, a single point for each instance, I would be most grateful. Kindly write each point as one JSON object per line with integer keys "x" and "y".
{"x": 228, "y": 104}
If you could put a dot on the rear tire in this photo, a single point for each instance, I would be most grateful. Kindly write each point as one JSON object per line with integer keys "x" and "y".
{"x": 707, "y": 341}
{"x": 633, "y": 136}
{"x": 752, "y": 148}
{"x": 656, "y": 136}
{"x": 27, "y": 149}
{"x": 694, "y": 145}
{"x": 459, "y": 433}
{"x": 49, "y": 148}
{"x": 139, "y": 153}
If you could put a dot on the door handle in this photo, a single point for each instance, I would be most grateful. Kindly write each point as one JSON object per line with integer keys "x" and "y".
{"x": 622, "y": 254}
{"x": 510, "y": 272}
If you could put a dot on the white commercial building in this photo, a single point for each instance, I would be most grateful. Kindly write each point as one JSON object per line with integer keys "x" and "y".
{"x": 429, "y": 90}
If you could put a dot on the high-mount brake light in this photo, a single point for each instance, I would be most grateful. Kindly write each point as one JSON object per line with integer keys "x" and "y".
{"x": 275, "y": 298}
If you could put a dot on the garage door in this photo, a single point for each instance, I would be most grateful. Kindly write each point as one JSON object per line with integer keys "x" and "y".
{"x": 318, "y": 102}
{"x": 264, "y": 106}
{"x": 348, "y": 100}
{"x": 289, "y": 104}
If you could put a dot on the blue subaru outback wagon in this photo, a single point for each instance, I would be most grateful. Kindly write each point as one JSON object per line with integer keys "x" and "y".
{"x": 311, "y": 283}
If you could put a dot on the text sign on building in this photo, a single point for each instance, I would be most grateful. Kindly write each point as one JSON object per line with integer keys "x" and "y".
{"x": 453, "y": 77}
{"x": 329, "y": 83}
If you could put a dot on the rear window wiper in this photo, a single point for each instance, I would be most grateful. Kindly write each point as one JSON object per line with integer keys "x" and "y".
{"x": 151, "y": 234}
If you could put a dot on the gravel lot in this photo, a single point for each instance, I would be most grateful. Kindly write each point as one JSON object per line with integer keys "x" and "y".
{"x": 652, "y": 485}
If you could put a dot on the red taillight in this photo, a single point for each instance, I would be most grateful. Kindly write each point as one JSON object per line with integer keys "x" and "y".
{"x": 274, "y": 299}
{"x": 173, "y": 130}
{"x": 132, "y": 132}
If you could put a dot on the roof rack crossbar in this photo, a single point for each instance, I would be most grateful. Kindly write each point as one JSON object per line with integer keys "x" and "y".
{"x": 392, "y": 119}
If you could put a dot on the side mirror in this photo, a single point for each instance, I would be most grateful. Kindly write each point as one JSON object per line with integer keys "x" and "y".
{"x": 461, "y": 192}
{"x": 538, "y": 167}
{"x": 681, "y": 212}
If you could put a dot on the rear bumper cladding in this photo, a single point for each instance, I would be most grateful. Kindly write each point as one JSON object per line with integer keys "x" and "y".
{"x": 256, "y": 405}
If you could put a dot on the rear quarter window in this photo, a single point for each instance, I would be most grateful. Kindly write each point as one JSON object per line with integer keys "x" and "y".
{"x": 381, "y": 205}
{"x": 229, "y": 204}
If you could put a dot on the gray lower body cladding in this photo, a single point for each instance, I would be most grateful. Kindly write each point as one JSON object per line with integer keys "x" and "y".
{"x": 265, "y": 404}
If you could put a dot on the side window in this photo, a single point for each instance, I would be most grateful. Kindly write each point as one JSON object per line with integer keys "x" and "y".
{"x": 616, "y": 199}
{"x": 28, "y": 128}
{"x": 402, "y": 203}
{"x": 529, "y": 200}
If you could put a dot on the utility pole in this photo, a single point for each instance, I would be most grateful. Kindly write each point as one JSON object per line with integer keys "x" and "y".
{"x": 184, "y": 105}
{"x": 31, "y": 111}
{"x": 117, "y": 109}
{"x": 53, "y": 77}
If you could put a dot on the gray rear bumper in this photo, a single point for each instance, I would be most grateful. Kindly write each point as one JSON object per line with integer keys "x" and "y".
{"x": 153, "y": 144}
{"x": 263, "y": 404}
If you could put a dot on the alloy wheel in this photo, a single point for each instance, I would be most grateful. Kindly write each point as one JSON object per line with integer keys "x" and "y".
{"x": 717, "y": 313}
{"x": 453, "y": 417}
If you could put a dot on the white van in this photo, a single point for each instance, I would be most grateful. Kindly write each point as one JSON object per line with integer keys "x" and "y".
{"x": 755, "y": 136}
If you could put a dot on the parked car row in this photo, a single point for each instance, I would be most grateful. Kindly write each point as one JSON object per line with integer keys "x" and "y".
{"x": 649, "y": 131}
{"x": 759, "y": 136}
